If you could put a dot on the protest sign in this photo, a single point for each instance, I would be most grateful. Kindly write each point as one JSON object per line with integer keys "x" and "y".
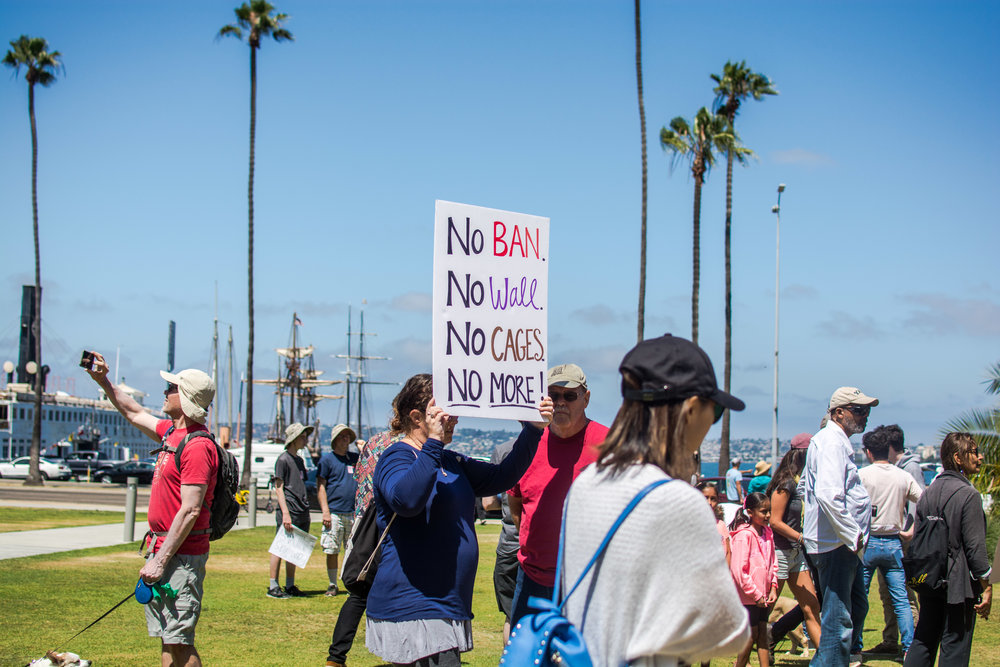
{"x": 295, "y": 546}
{"x": 490, "y": 336}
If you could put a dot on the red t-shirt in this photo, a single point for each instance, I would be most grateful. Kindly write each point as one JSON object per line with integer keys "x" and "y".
{"x": 543, "y": 490}
{"x": 199, "y": 465}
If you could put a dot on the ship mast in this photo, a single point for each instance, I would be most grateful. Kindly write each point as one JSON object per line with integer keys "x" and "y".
{"x": 358, "y": 378}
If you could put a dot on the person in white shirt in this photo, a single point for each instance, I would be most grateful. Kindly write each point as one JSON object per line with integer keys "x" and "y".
{"x": 836, "y": 520}
{"x": 889, "y": 487}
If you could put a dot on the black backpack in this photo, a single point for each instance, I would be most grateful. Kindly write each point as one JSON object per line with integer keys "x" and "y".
{"x": 225, "y": 509}
{"x": 926, "y": 562}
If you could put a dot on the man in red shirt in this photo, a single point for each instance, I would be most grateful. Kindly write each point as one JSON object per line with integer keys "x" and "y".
{"x": 180, "y": 530}
{"x": 568, "y": 445}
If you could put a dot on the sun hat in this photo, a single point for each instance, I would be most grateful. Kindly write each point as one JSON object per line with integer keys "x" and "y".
{"x": 850, "y": 396}
{"x": 670, "y": 370}
{"x": 196, "y": 391}
{"x": 761, "y": 468}
{"x": 294, "y": 430}
{"x": 340, "y": 428}
{"x": 801, "y": 441}
{"x": 567, "y": 375}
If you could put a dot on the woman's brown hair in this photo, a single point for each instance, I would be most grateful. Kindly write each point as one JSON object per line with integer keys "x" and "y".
{"x": 415, "y": 395}
{"x": 955, "y": 443}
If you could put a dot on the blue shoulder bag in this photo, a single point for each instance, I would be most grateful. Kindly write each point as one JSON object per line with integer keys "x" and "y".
{"x": 547, "y": 638}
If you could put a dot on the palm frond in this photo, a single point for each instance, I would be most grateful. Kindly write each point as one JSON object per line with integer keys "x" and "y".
{"x": 993, "y": 380}
{"x": 228, "y": 30}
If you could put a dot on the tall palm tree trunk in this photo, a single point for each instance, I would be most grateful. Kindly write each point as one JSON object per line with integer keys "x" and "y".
{"x": 696, "y": 258}
{"x": 728, "y": 364}
{"x": 642, "y": 125}
{"x": 245, "y": 478}
{"x": 34, "y": 477}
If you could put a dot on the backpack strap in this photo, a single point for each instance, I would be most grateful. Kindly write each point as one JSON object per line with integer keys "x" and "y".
{"x": 556, "y": 603}
{"x": 176, "y": 451}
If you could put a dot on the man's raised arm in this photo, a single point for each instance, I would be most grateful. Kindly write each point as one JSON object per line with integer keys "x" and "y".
{"x": 125, "y": 404}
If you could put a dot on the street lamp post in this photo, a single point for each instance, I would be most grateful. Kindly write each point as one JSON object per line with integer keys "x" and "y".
{"x": 776, "y": 209}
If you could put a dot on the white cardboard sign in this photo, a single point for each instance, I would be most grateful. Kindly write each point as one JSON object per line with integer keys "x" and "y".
{"x": 295, "y": 546}
{"x": 490, "y": 338}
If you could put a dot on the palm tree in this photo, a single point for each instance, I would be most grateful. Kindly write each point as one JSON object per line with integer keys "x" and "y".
{"x": 40, "y": 64}
{"x": 984, "y": 425}
{"x": 697, "y": 143}
{"x": 734, "y": 85}
{"x": 642, "y": 127}
{"x": 256, "y": 20}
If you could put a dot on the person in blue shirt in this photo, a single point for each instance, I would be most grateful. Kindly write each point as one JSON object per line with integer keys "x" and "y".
{"x": 761, "y": 478}
{"x": 335, "y": 488}
{"x": 734, "y": 482}
{"x": 420, "y": 605}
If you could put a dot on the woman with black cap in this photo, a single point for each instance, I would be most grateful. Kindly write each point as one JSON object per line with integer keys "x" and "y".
{"x": 661, "y": 592}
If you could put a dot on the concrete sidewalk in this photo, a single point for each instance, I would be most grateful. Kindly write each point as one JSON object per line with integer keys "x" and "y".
{"x": 19, "y": 544}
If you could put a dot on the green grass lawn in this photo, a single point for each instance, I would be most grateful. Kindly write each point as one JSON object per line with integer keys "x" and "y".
{"x": 27, "y": 518}
{"x": 47, "y": 599}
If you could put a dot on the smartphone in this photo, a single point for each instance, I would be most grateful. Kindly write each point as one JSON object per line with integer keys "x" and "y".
{"x": 87, "y": 360}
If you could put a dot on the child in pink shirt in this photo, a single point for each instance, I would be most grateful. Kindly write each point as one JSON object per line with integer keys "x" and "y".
{"x": 755, "y": 570}
{"x": 711, "y": 493}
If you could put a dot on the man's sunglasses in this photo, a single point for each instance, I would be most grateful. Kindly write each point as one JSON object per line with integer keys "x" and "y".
{"x": 171, "y": 388}
{"x": 568, "y": 396}
{"x": 858, "y": 410}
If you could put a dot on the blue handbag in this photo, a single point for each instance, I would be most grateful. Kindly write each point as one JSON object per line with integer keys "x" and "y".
{"x": 547, "y": 638}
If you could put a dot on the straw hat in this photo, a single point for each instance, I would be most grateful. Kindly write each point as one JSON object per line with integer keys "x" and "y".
{"x": 761, "y": 468}
{"x": 294, "y": 430}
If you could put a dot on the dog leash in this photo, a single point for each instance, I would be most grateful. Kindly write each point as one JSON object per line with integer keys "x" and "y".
{"x": 127, "y": 598}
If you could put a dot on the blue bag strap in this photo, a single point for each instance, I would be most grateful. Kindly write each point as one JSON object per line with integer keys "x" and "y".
{"x": 556, "y": 604}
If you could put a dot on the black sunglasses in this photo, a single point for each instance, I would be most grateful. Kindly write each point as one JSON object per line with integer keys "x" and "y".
{"x": 568, "y": 396}
{"x": 719, "y": 409}
{"x": 859, "y": 410}
{"x": 171, "y": 388}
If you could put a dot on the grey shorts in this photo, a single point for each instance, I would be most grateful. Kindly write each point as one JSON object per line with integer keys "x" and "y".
{"x": 790, "y": 561}
{"x": 174, "y": 620}
{"x": 336, "y": 537}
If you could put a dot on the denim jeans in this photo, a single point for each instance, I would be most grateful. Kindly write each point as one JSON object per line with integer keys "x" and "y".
{"x": 845, "y": 605}
{"x": 885, "y": 554}
{"x": 526, "y": 588}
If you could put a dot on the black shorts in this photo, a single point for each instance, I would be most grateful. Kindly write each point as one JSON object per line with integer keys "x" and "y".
{"x": 504, "y": 580}
{"x": 300, "y": 521}
{"x": 757, "y": 614}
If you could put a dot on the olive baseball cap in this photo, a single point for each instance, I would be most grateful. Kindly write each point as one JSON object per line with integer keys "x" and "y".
{"x": 567, "y": 375}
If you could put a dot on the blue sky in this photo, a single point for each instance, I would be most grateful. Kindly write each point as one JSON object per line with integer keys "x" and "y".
{"x": 881, "y": 133}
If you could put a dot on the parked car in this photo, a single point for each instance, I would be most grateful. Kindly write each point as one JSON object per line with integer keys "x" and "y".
{"x": 311, "y": 490}
{"x": 118, "y": 473}
{"x": 18, "y": 469}
{"x": 83, "y": 463}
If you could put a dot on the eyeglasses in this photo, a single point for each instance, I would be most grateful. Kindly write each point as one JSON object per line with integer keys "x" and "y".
{"x": 568, "y": 396}
{"x": 171, "y": 388}
{"x": 719, "y": 409}
{"x": 858, "y": 410}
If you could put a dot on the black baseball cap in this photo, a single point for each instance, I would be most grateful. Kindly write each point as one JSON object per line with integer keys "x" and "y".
{"x": 670, "y": 370}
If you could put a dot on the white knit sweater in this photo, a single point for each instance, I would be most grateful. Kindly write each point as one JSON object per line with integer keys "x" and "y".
{"x": 662, "y": 591}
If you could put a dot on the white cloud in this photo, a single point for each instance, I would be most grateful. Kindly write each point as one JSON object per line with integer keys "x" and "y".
{"x": 942, "y": 314}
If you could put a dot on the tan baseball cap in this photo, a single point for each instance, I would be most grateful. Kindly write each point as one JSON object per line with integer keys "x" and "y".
{"x": 196, "y": 391}
{"x": 850, "y": 396}
{"x": 567, "y": 375}
{"x": 294, "y": 430}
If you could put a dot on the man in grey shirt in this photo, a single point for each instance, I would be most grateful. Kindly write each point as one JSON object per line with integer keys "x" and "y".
{"x": 290, "y": 488}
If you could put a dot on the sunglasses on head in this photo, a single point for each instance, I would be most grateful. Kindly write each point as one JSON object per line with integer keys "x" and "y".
{"x": 171, "y": 388}
{"x": 568, "y": 396}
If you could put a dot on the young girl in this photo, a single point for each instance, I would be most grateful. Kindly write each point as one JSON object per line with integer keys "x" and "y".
{"x": 711, "y": 493}
{"x": 754, "y": 570}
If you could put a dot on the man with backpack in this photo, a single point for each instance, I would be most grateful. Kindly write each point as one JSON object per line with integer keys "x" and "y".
{"x": 947, "y": 563}
{"x": 179, "y": 529}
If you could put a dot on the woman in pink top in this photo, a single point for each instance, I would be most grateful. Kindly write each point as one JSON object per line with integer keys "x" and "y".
{"x": 755, "y": 570}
